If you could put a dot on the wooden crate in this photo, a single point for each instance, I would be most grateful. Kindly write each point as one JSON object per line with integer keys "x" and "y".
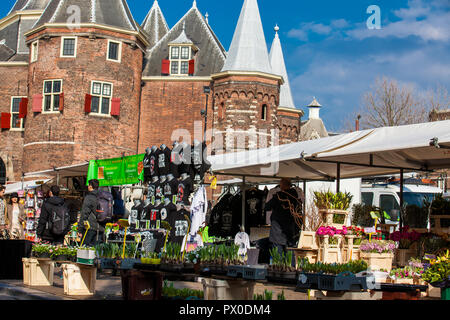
{"x": 79, "y": 280}
{"x": 307, "y": 240}
{"x": 377, "y": 261}
{"x": 37, "y": 272}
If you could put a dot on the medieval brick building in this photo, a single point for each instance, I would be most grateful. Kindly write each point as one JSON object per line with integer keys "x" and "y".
{"x": 81, "y": 79}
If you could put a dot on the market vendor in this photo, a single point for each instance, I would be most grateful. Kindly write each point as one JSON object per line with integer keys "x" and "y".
{"x": 286, "y": 218}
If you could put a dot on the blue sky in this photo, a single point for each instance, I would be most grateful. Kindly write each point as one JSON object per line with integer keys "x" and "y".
{"x": 329, "y": 51}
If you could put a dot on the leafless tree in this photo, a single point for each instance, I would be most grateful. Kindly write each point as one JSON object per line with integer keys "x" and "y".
{"x": 391, "y": 105}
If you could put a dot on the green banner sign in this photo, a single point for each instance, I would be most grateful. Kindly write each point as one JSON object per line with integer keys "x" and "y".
{"x": 117, "y": 171}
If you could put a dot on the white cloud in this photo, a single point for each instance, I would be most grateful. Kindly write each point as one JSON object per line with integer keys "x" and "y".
{"x": 309, "y": 27}
{"x": 419, "y": 19}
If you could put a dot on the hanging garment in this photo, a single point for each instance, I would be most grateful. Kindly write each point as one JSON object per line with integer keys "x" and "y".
{"x": 155, "y": 216}
{"x": 254, "y": 210}
{"x": 221, "y": 220}
{"x": 199, "y": 163}
{"x": 175, "y": 162}
{"x": 154, "y": 170}
{"x": 171, "y": 190}
{"x": 159, "y": 191}
{"x": 199, "y": 207}
{"x": 243, "y": 241}
{"x": 270, "y": 195}
{"x": 167, "y": 211}
{"x": 147, "y": 167}
{"x": 164, "y": 161}
{"x": 185, "y": 188}
{"x": 180, "y": 226}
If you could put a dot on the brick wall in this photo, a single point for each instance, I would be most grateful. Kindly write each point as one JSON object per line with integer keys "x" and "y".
{"x": 169, "y": 105}
{"x": 75, "y": 136}
{"x": 13, "y": 82}
{"x": 239, "y": 101}
{"x": 289, "y": 126}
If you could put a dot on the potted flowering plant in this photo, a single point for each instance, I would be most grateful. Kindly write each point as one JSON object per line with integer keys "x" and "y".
{"x": 333, "y": 206}
{"x": 378, "y": 253}
{"x": 410, "y": 274}
{"x": 63, "y": 253}
{"x": 405, "y": 241}
{"x": 357, "y": 232}
{"x": 281, "y": 269}
{"x": 42, "y": 250}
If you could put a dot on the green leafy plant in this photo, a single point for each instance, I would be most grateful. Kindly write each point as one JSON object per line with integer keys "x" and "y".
{"x": 354, "y": 266}
{"x": 330, "y": 200}
{"x": 281, "y": 296}
{"x": 281, "y": 262}
{"x": 170, "y": 292}
{"x": 267, "y": 295}
{"x": 438, "y": 270}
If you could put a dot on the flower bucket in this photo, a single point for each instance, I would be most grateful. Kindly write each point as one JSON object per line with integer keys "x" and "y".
{"x": 86, "y": 256}
{"x": 402, "y": 256}
{"x": 377, "y": 261}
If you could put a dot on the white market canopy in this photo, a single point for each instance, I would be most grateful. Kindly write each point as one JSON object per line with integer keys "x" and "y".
{"x": 17, "y": 186}
{"x": 357, "y": 154}
{"x": 76, "y": 170}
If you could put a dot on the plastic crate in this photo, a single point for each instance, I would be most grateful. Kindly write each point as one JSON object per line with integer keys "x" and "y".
{"x": 254, "y": 273}
{"x": 308, "y": 281}
{"x": 345, "y": 281}
{"x": 106, "y": 263}
{"x": 235, "y": 271}
{"x": 127, "y": 264}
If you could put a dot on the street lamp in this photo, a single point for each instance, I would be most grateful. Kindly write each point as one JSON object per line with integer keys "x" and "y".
{"x": 204, "y": 112}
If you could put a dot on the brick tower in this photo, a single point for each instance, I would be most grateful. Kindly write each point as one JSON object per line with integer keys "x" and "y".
{"x": 246, "y": 92}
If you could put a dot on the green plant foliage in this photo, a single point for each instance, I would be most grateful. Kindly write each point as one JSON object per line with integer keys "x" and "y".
{"x": 354, "y": 266}
{"x": 330, "y": 200}
{"x": 361, "y": 215}
{"x": 170, "y": 292}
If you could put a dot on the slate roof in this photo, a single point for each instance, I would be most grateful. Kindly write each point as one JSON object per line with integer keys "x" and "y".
{"x": 210, "y": 57}
{"x": 114, "y": 13}
{"x": 279, "y": 68}
{"x": 155, "y": 24}
{"x": 5, "y": 52}
{"x": 248, "y": 50}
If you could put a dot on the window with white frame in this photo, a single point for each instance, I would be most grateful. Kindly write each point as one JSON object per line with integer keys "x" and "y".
{"x": 34, "y": 51}
{"x": 16, "y": 122}
{"x": 101, "y": 93}
{"x": 51, "y": 96}
{"x": 114, "y": 51}
{"x": 179, "y": 59}
{"x": 69, "y": 47}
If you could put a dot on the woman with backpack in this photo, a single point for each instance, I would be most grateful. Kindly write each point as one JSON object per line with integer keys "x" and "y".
{"x": 54, "y": 221}
{"x": 16, "y": 216}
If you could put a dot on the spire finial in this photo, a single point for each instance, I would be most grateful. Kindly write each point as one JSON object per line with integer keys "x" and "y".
{"x": 194, "y": 4}
{"x": 206, "y": 17}
{"x": 277, "y": 28}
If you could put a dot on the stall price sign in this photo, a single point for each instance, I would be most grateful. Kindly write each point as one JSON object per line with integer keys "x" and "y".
{"x": 117, "y": 171}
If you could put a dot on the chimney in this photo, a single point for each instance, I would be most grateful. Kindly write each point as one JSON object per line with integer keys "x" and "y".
{"x": 357, "y": 122}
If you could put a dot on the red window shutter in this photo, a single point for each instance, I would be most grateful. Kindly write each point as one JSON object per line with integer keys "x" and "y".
{"x": 23, "y": 108}
{"x": 191, "y": 67}
{"x": 115, "y": 106}
{"x": 5, "y": 120}
{"x": 87, "y": 103}
{"x": 61, "y": 102}
{"x": 165, "y": 67}
{"x": 37, "y": 103}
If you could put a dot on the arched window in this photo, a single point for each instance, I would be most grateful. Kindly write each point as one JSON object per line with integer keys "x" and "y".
{"x": 2, "y": 172}
{"x": 221, "y": 111}
{"x": 264, "y": 112}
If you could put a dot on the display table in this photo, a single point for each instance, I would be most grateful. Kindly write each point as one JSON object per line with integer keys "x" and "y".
{"x": 11, "y": 254}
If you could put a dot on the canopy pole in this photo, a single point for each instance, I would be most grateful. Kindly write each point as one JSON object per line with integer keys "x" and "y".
{"x": 304, "y": 204}
{"x": 401, "y": 198}
{"x": 243, "y": 201}
{"x": 338, "y": 180}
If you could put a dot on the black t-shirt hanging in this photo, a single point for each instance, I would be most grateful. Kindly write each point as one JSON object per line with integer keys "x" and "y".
{"x": 152, "y": 190}
{"x": 154, "y": 170}
{"x": 135, "y": 214}
{"x": 167, "y": 211}
{"x": 185, "y": 188}
{"x": 199, "y": 164}
{"x": 159, "y": 190}
{"x": 185, "y": 166}
{"x": 171, "y": 190}
{"x": 221, "y": 220}
{"x": 179, "y": 226}
{"x": 175, "y": 162}
{"x": 164, "y": 161}
{"x": 147, "y": 167}
{"x": 155, "y": 216}
{"x": 254, "y": 210}
{"x": 159, "y": 237}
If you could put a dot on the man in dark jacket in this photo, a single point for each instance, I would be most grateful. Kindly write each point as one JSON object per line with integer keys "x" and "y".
{"x": 284, "y": 230}
{"x": 49, "y": 206}
{"x": 89, "y": 214}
